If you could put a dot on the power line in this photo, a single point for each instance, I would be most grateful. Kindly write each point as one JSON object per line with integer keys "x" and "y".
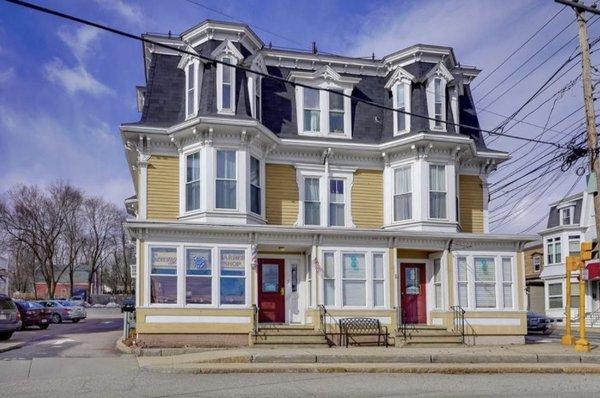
{"x": 258, "y": 73}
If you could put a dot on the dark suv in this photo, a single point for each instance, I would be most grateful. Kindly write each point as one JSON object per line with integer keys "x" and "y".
{"x": 10, "y": 319}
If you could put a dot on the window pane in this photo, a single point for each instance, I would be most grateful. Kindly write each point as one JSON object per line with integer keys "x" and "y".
{"x": 198, "y": 262}
{"x": 354, "y": 293}
{"x": 311, "y": 98}
{"x": 555, "y": 289}
{"x": 312, "y": 120}
{"x": 190, "y": 102}
{"x": 311, "y": 189}
{"x": 254, "y": 171}
{"x": 507, "y": 295}
{"x": 438, "y": 90}
{"x": 378, "y": 266}
{"x": 462, "y": 269}
{"x": 506, "y": 270}
{"x": 336, "y": 191}
{"x": 193, "y": 167}
{"x": 270, "y": 278}
{"x": 329, "y": 265}
{"x": 463, "y": 295}
{"x": 403, "y": 207}
{"x": 226, "y": 96}
{"x": 437, "y": 205}
{"x": 198, "y": 290}
{"x": 336, "y": 215}
{"x": 402, "y": 180}
{"x": 329, "y": 292}
{"x": 226, "y": 164}
{"x": 336, "y": 101}
{"x": 233, "y": 290}
{"x": 226, "y": 194}
{"x": 555, "y": 302}
{"x": 336, "y": 122}
{"x": 485, "y": 270}
{"x": 353, "y": 266}
{"x": 378, "y": 300}
{"x": 485, "y": 295}
{"x": 233, "y": 262}
{"x": 437, "y": 277}
{"x": 226, "y": 70}
{"x": 191, "y": 76}
{"x": 255, "y": 205}
{"x": 163, "y": 260}
{"x": 192, "y": 195}
{"x": 400, "y": 105}
{"x": 312, "y": 213}
{"x": 574, "y": 245}
{"x": 163, "y": 289}
{"x": 437, "y": 178}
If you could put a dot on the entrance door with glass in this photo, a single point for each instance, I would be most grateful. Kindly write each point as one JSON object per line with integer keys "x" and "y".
{"x": 412, "y": 291}
{"x": 271, "y": 290}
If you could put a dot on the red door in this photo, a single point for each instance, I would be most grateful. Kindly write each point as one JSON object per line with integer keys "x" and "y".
{"x": 271, "y": 293}
{"x": 412, "y": 291}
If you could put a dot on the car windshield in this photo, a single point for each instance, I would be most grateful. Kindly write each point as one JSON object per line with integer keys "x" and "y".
{"x": 33, "y": 305}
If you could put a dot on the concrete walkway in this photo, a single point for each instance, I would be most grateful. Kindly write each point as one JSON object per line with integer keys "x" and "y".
{"x": 10, "y": 345}
{"x": 553, "y": 358}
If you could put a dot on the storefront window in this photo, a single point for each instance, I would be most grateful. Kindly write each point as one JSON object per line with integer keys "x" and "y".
{"x": 198, "y": 280}
{"x": 163, "y": 275}
{"x": 233, "y": 277}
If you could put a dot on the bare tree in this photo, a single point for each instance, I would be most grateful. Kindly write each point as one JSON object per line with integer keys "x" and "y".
{"x": 22, "y": 267}
{"x": 37, "y": 218}
{"x": 71, "y": 242}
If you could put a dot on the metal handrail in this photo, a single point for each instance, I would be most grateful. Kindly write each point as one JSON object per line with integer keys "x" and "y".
{"x": 458, "y": 321}
{"x": 401, "y": 325}
{"x": 324, "y": 315}
{"x": 593, "y": 316}
{"x": 254, "y": 319}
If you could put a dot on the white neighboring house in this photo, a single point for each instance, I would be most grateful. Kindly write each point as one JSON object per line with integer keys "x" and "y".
{"x": 570, "y": 222}
{"x": 3, "y": 275}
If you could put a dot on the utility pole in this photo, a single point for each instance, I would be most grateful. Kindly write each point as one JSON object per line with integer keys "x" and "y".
{"x": 592, "y": 140}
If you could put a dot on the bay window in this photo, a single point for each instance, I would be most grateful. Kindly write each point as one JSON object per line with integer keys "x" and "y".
{"x": 378, "y": 280}
{"x": 555, "y": 299}
{"x": 354, "y": 280}
{"x": 198, "y": 276}
{"x": 312, "y": 110}
{"x": 163, "y": 275}
{"x": 336, "y": 113}
{"x": 336, "y": 203}
{"x": 553, "y": 249}
{"x": 437, "y": 282}
{"x": 329, "y": 279}
{"x": 437, "y": 191}
{"x": 255, "y": 187}
{"x": 226, "y": 182}
{"x": 192, "y": 182}
{"x": 402, "y": 193}
{"x": 232, "y": 279}
{"x": 312, "y": 205}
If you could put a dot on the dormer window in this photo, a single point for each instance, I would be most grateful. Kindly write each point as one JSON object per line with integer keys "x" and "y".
{"x": 437, "y": 80}
{"x": 336, "y": 113}
{"x": 227, "y": 86}
{"x": 192, "y": 86}
{"x": 400, "y": 86}
{"x": 438, "y": 102}
{"x": 566, "y": 215}
{"x": 229, "y": 56}
{"x": 258, "y": 98}
{"x": 312, "y": 110}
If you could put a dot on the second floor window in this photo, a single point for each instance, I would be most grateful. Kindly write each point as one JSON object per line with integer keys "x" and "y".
{"x": 312, "y": 110}
{"x": 402, "y": 193}
{"x": 337, "y": 207}
{"x": 255, "y": 191}
{"x": 192, "y": 182}
{"x": 438, "y": 102}
{"x": 553, "y": 248}
{"x": 336, "y": 113}
{"x": 226, "y": 182}
{"x": 312, "y": 204}
{"x": 437, "y": 191}
{"x": 227, "y": 86}
{"x": 574, "y": 245}
{"x": 191, "y": 89}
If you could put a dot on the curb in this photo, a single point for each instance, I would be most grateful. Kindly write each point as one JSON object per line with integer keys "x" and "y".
{"x": 12, "y": 346}
{"x": 125, "y": 349}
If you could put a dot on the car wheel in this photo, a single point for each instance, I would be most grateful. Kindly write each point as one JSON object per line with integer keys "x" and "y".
{"x": 76, "y": 320}
{"x": 56, "y": 318}
{"x": 44, "y": 326}
{"x": 5, "y": 335}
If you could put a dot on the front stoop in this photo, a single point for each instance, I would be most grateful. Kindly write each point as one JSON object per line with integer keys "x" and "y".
{"x": 429, "y": 336}
{"x": 288, "y": 336}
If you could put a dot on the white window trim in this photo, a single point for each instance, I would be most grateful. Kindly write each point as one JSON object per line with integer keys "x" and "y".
{"x": 499, "y": 282}
{"x": 561, "y": 295}
{"x": 254, "y": 87}
{"x": 184, "y": 182}
{"x": 446, "y": 185}
{"x": 412, "y": 193}
{"x": 237, "y": 179}
{"x": 216, "y": 270}
{"x": 311, "y": 171}
{"x": 407, "y": 105}
{"x": 196, "y": 88}
{"x": 570, "y": 210}
{"x": 439, "y": 71}
{"x": 553, "y": 241}
{"x": 570, "y": 238}
{"x": 226, "y": 50}
{"x": 261, "y": 177}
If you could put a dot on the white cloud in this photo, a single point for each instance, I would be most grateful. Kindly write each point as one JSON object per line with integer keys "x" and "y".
{"x": 7, "y": 74}
{"x": 80, "y": 40}
{"x": 76, "y": 79}
{"x": 129, "y": 12}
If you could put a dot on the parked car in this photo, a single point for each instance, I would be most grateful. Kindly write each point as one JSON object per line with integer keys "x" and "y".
{"x": 79, "y": 300}
{"x": 128, "y": 305}
{"x": 10, "y": 319}
{"x": 33, "y": 314}
{"x": 63, "y": 311}
{"x": 540, "y": 323}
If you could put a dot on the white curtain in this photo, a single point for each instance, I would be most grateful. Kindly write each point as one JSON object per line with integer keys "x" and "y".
{"x": 312, "y": 214}
{"x": 402, "y": 193}
{"x": 312, "y": 112}
{"x": 437, "y": 191}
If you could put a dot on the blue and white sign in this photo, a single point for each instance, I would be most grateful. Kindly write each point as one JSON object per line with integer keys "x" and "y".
{"x": 199, "y": 262}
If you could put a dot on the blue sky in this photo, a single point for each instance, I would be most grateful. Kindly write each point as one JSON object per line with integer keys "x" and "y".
{"x": 64, "y": 88}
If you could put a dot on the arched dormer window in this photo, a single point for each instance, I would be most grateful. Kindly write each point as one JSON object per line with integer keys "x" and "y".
{"x": 226, "y": 90}
{"x": 193, "y": 70}
{"x": 437, "y": 79}
{"x": 400, "y": 84}
{"x": 256, "y": 63}
{"x": 320, "y": 112}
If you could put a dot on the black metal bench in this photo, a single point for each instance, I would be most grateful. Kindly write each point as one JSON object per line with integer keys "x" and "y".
{"x": 350, "y": 328}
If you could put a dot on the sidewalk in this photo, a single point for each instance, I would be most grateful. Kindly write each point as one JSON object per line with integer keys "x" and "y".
{"x": 11, "y": 345}
{"x": 546, "y": 358}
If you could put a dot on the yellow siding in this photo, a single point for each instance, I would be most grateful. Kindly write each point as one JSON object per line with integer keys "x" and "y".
{"x": 471, "y": 203}
{"x": 163, "y": 187}
{"x": 281, "y": 194}
{"x": 367, "y": 199}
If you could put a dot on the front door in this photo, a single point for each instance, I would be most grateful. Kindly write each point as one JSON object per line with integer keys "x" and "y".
{"x": 271, "y": 291}
{"x": 412, "y": 291}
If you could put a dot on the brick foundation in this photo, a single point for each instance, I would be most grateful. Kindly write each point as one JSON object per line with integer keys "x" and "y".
{"x": 166, "y": 340}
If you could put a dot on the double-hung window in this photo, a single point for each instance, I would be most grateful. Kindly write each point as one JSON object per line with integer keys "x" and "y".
{"x": 485, "y": 282}
{"x": 312, "y": 110}
{"x": 507, "y": 282}
{"x": 232, "y": 285}
{"x": 566, "y": 216}
{"x": 309, "y": 274}
{"x": 437, "y": 191}
{"x": 378, "y": 280}
{"x": 336, "y": 203}
{"x": 574, "y": 245}
{"x": 191, "y": 89}
{"x": 401, "y": 116}
{"x": 354, "y": 280}
{"x": 438, "y": 102}
{"x": 437, "y": 282}
{"x": 198, "y": 276}
{"x": 312, "y": 204}
{"x": 257, "y": 98}
{"x": 163, "y": 275}
{"x": 555, "y": 297}
{"x": 329, "y": 278}
{"x": 226, "y": 183}
{"x": 192, "y": 182}
{"x": 336, "y": 113}
{"x": 227, "y": 85}
{"x": 553, "y": 248}
{"x": 462, "y": 282}
{"x": 537, "y": 263}
{"x": 255, "y": 190}
{"x": 402, "y": 193}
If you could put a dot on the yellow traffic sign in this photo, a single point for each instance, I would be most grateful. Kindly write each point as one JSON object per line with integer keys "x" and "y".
{"x": 574, "y": 263}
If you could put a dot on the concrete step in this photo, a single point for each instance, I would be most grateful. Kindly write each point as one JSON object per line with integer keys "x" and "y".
{"x": 431, "y": 332}
{"x": 435, "y": 339}
{"x": 287, "y": 326}
{"x": 289, "y": 332}
{"x": 289, "y": 339}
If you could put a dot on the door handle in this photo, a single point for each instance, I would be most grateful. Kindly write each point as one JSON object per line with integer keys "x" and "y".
{"x": 282, "y": 291}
